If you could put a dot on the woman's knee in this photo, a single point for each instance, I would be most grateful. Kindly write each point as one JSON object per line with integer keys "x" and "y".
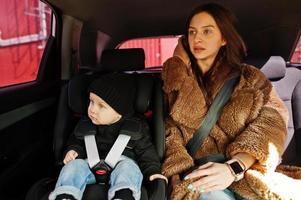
{"x": 218, "y": 195}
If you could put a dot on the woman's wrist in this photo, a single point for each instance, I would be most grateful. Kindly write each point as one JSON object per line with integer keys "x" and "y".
{"x": 245, "y": 160}
{"x": 237, "y": 168}
{"x": 242, "y": 164}
{"x": 239, "y": 164}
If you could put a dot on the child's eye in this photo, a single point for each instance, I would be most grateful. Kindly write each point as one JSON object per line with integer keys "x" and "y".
{"x": 101, "y": 105}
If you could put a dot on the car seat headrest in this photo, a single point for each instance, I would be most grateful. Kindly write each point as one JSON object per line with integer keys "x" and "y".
{"x": 274, "y": 68}
{"x": 113, "y": 60}
{"x": 77, "y": 93}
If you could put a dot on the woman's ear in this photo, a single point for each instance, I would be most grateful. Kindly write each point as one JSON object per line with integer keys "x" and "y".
{"x": 224, "y": 42}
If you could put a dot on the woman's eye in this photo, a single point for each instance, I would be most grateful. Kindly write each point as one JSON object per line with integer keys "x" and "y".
{"x": 191, "y": 32}
{"x": 207, "y": 31}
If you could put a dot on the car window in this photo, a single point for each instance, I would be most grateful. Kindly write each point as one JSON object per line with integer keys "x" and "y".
{"x": 157, "y": 50}
{"x": 296, "y": 56}
{"x": 24, "y": 30}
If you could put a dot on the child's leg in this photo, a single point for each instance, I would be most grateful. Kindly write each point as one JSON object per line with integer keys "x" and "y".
{"x": 73, "y": 179}
{"x": 126, "y": 175}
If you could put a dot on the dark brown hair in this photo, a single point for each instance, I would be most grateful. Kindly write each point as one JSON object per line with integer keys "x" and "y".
{"x": 234, "y": 51}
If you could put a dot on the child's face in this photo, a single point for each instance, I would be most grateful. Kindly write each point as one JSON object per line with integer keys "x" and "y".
{"x": 100, "y": 112}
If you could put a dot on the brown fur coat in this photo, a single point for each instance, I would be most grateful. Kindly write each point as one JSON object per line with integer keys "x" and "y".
{"x": 253, "y": 121}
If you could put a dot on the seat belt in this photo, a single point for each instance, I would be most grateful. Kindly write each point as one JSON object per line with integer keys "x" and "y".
{"x": 102, "y": 168}
{"x": 210, "y": 120}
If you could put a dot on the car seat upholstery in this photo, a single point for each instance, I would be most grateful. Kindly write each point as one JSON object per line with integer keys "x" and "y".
{"x": 287, "y": 82}
{"x": 73, "y": 104}
{"x": 120, "y": 59}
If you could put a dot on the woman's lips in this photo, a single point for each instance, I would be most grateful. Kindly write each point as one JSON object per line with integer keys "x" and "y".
{"x": 198, "y": 49}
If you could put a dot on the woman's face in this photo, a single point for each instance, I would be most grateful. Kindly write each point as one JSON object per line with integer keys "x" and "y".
{"x": 204, "y": 38}
{"x": 100, "y": 112}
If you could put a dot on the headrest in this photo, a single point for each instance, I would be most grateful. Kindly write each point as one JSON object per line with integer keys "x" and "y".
{"x": 256, "y": 62}
{"x": 77, "y": 92}
{"x": 87, "y": 46}
{"x": 113, "y": 60}
{"x": 78, "y": 95}
{"x": 274, "y": 68}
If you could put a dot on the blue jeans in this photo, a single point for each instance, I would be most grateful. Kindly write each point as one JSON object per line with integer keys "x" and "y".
{"x": 76, "y": 174}
{"x": 220, "y": 195}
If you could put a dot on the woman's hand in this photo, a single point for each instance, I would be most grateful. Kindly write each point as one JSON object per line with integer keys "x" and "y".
{"x": 70, "y": 155}
{"x": 211, "y": 177}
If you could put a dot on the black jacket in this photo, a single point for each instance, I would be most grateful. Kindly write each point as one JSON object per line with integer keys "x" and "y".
{"x": 139, "y": 148}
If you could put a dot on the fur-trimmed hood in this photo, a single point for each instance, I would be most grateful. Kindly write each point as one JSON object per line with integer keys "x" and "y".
{"x": 253, "y": 121}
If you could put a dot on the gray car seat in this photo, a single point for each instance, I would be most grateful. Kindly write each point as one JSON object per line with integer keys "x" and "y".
{"x": 287, "y": 82}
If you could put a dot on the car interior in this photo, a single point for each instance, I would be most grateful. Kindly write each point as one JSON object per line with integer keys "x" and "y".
{"x": 37, "y": 117}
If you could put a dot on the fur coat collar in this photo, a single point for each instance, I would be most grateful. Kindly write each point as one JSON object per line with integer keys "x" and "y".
{"x": 253, "y": 121}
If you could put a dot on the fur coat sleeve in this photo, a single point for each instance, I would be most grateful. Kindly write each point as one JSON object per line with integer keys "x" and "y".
{"x": 263, "y": 129}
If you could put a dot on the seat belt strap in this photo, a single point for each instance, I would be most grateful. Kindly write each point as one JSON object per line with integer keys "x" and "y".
{"x": 118, "y": 147}
{"x": 212, "y": 115}
{"x": 91, "y": 149}
{"x": 114, "y": 154}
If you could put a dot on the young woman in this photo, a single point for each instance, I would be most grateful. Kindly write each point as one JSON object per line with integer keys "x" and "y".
{"x": 250, "y": 131}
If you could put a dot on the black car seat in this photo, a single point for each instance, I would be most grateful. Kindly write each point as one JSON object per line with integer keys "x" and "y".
{"x": 72, "y": 105}
{"x": 287, "y": 82}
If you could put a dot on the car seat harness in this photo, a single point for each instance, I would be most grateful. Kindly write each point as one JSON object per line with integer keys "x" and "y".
{"x": 101, "y": 168}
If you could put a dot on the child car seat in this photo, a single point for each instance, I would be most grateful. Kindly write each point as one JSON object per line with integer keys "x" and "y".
{"x": 72, "y": 105}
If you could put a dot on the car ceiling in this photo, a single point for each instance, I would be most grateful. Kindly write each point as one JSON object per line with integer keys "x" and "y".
{"x": 269, "y": 27}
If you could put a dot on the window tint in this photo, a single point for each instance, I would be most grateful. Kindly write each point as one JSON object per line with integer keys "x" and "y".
{"x": 296, "y": 57}
{"x": 157, "y": 50}
{"x": 24, "y": 30}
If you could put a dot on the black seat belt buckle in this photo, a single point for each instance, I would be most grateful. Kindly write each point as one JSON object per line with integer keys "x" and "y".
{"x": 102, "y": 172}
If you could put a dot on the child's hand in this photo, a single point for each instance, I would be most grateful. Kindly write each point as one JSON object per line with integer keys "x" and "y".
{"x": 155, "y": 176}
{"x": 71, "y": 155}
